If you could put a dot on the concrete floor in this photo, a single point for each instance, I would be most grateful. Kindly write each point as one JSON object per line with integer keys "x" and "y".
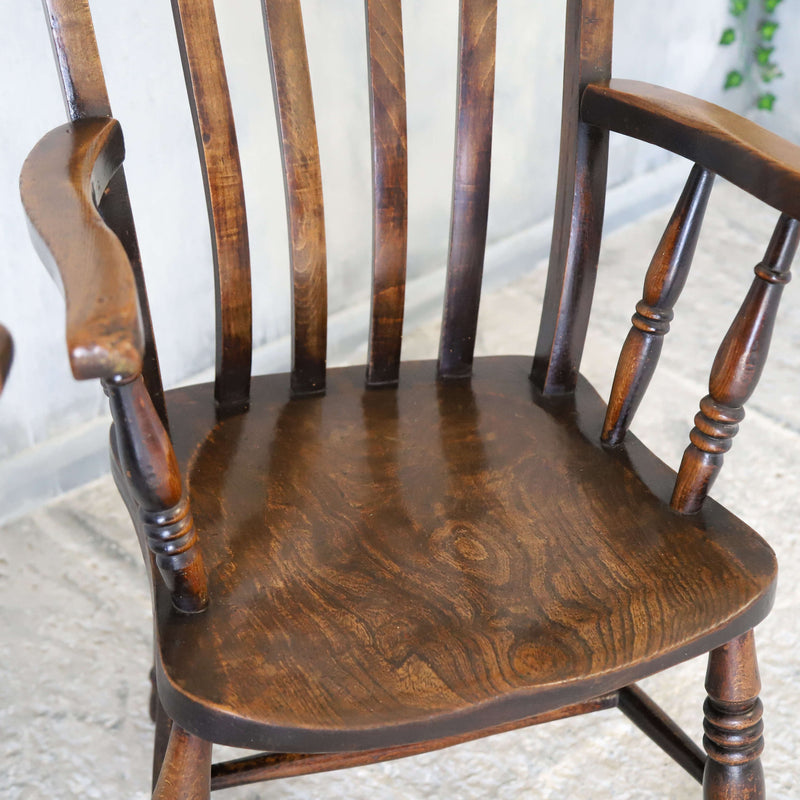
{"x": 75, "y": 617}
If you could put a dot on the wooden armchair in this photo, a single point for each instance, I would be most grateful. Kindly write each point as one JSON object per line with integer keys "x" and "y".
{"x": 349, "y": 567}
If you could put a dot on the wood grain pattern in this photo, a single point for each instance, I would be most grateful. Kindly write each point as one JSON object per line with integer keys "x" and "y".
{"x": 580, "y": 202}
{"x": 186, "y": 774}
{"x": 85, "y": 95}
{"x": 61, "y": 183}
{"x": 387, "y": 95}
{"x": 749, "y": 156}
{"x": 663, "y": 285}
{"x": 733, "y": 728}
{"x": 400, "y": 591}
{"x": 736, "y": 371}
{"x": 6, "y": 355}
{"x": 270, "y": 766}
{"x": 215, "y": 132}
{"x": 294, "y": 108}
{"x": 471, "y": 171}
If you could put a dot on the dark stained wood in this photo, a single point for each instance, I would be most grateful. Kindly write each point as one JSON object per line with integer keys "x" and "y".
{"x": 471, "y": 170}
{"x": 733, "y": 727}
{"x": 749, "y": 156}
{"x": 387, "y": 573}
{"x": 736, "y": 371}
{"x": 147, "y": 461}
{"x": 580, "y": 202}
{"x": 270, "y": 766}
{"x": 61, "y": 183}
{"x": 6, "y": 355}
{"x": 398, "y": 589}
{"x": 207, "y": 86}
{"x": 635, "y": 704}
{"x": 85, "y": 95}
{"x": 663, "y": 284}
{"x": 186, "y": 774}
{"x": 294, "y": 108}
{"x": 387, "y": 96}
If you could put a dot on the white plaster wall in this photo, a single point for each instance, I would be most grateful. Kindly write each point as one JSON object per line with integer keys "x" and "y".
{"x": 137, "y": 45}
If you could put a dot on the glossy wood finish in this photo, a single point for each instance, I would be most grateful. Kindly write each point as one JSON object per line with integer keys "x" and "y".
{"x": 207, "y": 86}
{"x": 663, "y": 284}
{"x": 749, "y": 156}
{"x": 733, "y": 727}
{"x": 398, "y": 590}
{"x": 187, "y": 772}
{"x": 61, "y": 183}
{"x": 473, "y": 153}
{"x": 153, "y": 482}
{"x": 387, "y": 96}
{"x": 736, "y": 371}
{"x": 387, "y": 573}
{"x": 85, "y": 95}
{"x": 294, "y": 107}
{"x": 6, "y": 355}
{"x": 269, "y": 766}
{"x": 580, "y": 202}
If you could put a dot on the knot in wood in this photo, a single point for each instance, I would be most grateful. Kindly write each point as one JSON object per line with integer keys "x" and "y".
{"x": 169, "y": 532}
{"x": 771, "y": 276}
{"x": 733, "y": 734}
{"x": 651, "y": 319}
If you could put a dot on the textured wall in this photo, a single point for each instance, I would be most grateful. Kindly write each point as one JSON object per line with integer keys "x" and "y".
{"x": 146, "y": 86}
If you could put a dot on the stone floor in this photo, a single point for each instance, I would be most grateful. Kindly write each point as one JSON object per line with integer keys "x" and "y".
{"x": 74, "y": 610}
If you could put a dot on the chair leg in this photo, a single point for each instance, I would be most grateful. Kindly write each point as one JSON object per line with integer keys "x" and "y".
{"x": 160, "y": 739}
{"x": 733, "y": 727}
{"x": 186, "y": 773}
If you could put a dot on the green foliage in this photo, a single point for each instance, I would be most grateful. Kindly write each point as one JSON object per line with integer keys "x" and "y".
{"x": 755, "y": 33}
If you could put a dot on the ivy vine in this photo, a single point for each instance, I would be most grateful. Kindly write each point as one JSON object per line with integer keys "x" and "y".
{"x": 754, "y": 27}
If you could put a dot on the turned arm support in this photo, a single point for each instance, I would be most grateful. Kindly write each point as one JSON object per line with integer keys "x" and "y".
{"x": 62, "y": 183}
{"x": 754, "y": 159}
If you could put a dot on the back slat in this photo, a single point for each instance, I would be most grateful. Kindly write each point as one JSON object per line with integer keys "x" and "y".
{"x": 478, "y": 27}
{"x": 389, "y": 188}
{"x": 85, "y": 95}
{"x": 294, "y": 108}
{"x": 207, "y": 87}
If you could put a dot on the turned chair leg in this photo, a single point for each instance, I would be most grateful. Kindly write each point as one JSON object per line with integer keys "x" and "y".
{"x": 733, "y": 727}
{"x": 186, "y": 772}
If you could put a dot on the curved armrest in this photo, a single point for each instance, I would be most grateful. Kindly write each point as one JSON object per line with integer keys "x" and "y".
{"x": 754, "y": 159}
{"x": 6, "y": 355}
{"x": 62, "y": 182}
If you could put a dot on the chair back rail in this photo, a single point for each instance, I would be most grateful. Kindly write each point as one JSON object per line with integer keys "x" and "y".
{"x": 580, "y": 202}
{"x": 207, "y": 87}
{"x": 471, "y": 171}
{"x": 387, "y": 104}
{"x": 85, "y": 95}
{"x": 294, "y": 107}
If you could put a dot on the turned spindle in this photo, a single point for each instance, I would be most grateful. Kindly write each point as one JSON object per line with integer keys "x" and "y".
{"x": 663, "y": 284}
{"x": 733, "y": 728}
{"x": 148, "y": 462}
{"x": 735, "y": 372}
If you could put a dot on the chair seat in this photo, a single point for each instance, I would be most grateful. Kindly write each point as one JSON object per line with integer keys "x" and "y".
{"x": 389, "y": 566}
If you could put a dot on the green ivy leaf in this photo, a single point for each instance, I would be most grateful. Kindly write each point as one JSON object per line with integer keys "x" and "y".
{"x": 766, "y": 101}
{"x": 771, "y": 5}
{"x": 734, "y": 79}
{"x": 763, "y": 54}
{"x": 728, "y": 36}
{"x": 738, "y": 7}
{"x": 766, "y": 29}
